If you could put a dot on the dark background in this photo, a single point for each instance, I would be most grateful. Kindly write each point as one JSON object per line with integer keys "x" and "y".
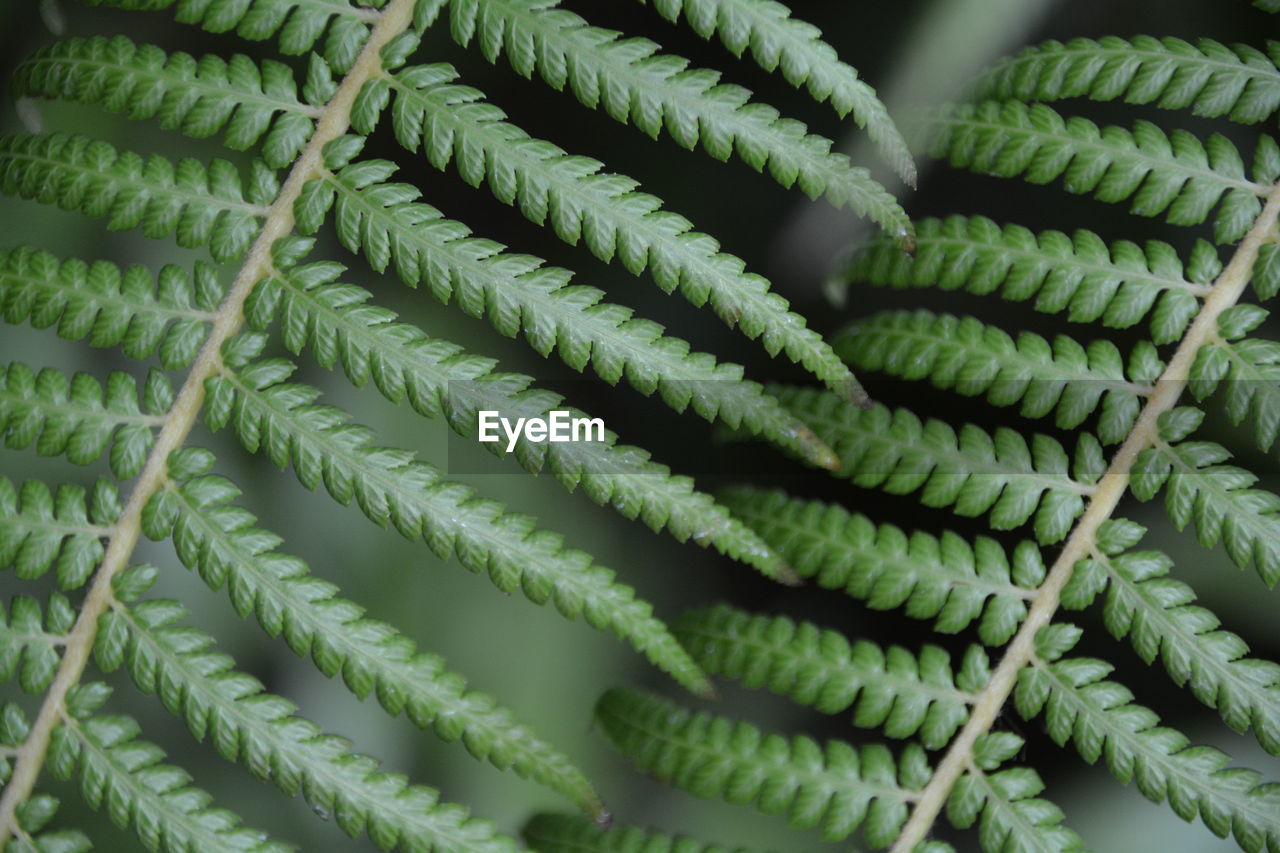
{"x": 548, "y": 670}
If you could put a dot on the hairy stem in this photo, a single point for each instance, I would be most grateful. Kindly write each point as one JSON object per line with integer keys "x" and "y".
{"x": 1226, "y": 291}
{"x": 333, "y": 122}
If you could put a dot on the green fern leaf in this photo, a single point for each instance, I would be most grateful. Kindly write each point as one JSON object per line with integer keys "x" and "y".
{"x": 391, "y": 487}
{"x": 42, "y": 528}
{"x": 1216, "y": 497}
{"x": 263, "y": 732}
{"x": 197, "y": 204}
{"x": 554, "y": 833}
{"x": 217, "y": 539}
{"x": 970, "y": 471}
{"x": 439, "y": 379}
{"x": 518, "y": 293}
{"x": 1211, "y": 78}
{"x": 1172, "y": 174}
{"x": 166, "y": 314}
{"x": 74, "y": 416}
{"x": 1159, "y": 616}
{"x": 581, "y": 202}
{"x": 299, "y": 24}
{"x": 635, "y": 84}
{"x": 1116, "y": 284}
{"x": 943, "y": 577}
{"x": 834, "y": 787}
{"x": 972, "y": 358}
{"x": 1013, "y": 817}
{"x": 251, "y": 101}
{"x": 31, "y": 638}
{"x": 1247, "y": 370}
{"x": 893, "y": 689}
{"x": 1102, "y": 720}
{"x": 125, "y": 777}
{"x": 776, "y": 41}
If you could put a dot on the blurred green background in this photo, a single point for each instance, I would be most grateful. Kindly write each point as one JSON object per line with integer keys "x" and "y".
{"x": 548, "y": 670}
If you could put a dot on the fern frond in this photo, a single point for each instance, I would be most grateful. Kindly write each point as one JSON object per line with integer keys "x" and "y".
{"x": 264, "y": 733}
{"x": 555, "y": 833}
{"x": 944, "y": 576}
{"x": 1159, "y": 616}
{"x": 126, "y": 778}
{"x": 1247, "y": 369}
{"x": 218, "y": 540}
{"x": 970, "y": 471}
{"x": 635, "y": 84}
{"x": 392, "y": 487}
{"x": 253, "y": 101}
{"x": 1102, "y": 720}
{"x": 197, "y": 204}
{"x": 63, "y": 528}
{"x": 1173, "y": 174}
{"x": 298, "y": 24}
{"x": 1213, "y": 79}
{"x": 1013, "y": 816}
{"x": 440, "y": 379}
{"x": 776, "y": 41}
{"x": 75, "y": 417}
{"x": 518, "y": 294}
{"x": 167, "y": 314}
{"x": 582, "y": 202}
{"x": 1216, "y": 497}
{"x": 899, "y": 691}
{"x": 833, "y": 787}
{"x": 31, "y": 638}
{"x": 970, "y": 357}
{"x": 1116, "y": 284}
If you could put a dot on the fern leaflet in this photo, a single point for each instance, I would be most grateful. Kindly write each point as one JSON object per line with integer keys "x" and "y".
{"x": 1116, "y": 284}
{"x": 970, "y": 471}
{"x": 143, "y": 314}
{"x": 931, "y": 576}
{"x": 894, "y": 689}
{"x": 1172, "y": 174}
{"x": 970, "y": 357}
{"x": 198, "y": 205}
{"x": 834, "y": 786}
{"x": 1212, "y": 79}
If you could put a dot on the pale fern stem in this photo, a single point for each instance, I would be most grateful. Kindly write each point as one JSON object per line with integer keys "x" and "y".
{"x": 1111, "y": 489}
{"x": 279, "y": 221}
